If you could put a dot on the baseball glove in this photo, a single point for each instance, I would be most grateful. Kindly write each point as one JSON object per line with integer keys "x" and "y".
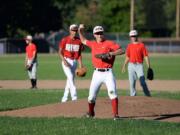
{"x": 81, "y": 72}
{"x": 103, "y": 56}
{"x": 29, "y": 67}
{"x": 150, "y": 74}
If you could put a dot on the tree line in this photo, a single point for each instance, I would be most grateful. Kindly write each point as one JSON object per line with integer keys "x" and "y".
{"x": 153, "y": 18}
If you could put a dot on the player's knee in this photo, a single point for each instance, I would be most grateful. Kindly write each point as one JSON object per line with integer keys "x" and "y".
{"x": 112, "y": 94}
{"x": 91, "y": 99}
{"x": 142, "y": 80}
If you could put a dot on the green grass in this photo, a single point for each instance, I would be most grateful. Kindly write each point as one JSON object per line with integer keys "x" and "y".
{"x": 71, "y": 126}
{"x": 13, "y": 99}
{"x": 12, "y": 67}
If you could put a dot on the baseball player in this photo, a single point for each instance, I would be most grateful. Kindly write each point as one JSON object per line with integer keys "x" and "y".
{"x": 70, "y": 49}
{"x": 136, "y": 52}
{"x": 31, "y": 61}
{"x": 102, "y": 68}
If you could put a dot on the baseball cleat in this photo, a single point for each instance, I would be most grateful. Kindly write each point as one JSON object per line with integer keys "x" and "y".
{"x": 63, "y": 100}
{"x": 89, "y": 115}
{"x": 34, "y": 88}
{"x": 117, "y": 117}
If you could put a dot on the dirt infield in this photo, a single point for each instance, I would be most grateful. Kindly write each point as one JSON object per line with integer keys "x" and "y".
{"x": 160, "y": 85}
{"x": 129, "y": 107}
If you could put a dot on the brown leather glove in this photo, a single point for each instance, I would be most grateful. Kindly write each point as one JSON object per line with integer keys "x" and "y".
{"x": 81, "y": 72}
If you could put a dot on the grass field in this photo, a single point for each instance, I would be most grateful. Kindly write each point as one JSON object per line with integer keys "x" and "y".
{"x": 166, "y": 67}
{"x": 13, "y": 99}
{"x": 71, "y": 126}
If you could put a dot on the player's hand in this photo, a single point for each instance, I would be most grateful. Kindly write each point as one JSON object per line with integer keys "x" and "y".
{"x": 123, "y": 69}
{"x": 66, "y": 63}
{"x": 81, "y": 26}
{"x": 29, "y": 67}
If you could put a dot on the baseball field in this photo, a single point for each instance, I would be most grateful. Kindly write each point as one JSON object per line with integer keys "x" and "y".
{"x": 25, "y": 111}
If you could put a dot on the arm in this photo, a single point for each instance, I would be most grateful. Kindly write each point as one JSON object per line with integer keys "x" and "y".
{"x": 146, "y": 57}
{"x": 34, "y": 55}
{"x": 81, "y": 33}
{"x": 147, "y": 61}
{"x": 125, "y": 63}
{"x": 62, "y": 58}
{"x": 26, "y": 59}
{"x": 119, "y": 51}
{"x": 80, "y": 62}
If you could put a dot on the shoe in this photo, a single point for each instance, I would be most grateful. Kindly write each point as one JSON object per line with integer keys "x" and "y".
{"x": 63, "y": 100}
{"x": 34, "y": 88}
{"x": 89, "y": 115}
{"x": 117, "y": 117}
{"x": 74, "y": 99}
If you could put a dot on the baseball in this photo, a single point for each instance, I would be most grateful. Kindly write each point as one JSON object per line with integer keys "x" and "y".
{"x": 81, "y": 26}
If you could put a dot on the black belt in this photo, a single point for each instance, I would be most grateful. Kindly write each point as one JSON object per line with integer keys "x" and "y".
{"x": 102, "y": 69}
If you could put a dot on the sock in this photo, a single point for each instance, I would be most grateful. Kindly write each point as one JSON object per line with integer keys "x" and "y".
{"x": 32, "y": 83}
{"x": 35, "y": 82}
{"x": 114, "y": 103}
{"x": 91, "y": 108}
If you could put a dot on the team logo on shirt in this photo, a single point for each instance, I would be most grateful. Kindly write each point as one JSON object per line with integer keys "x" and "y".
{"x": 72, "y": 47}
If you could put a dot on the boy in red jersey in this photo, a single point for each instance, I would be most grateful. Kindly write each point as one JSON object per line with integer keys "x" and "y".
{"x": 102, "y": 68}
{"x": 31, "y": 61}
{"x": 136, "y": 52}
{"x": 70, "y": 48}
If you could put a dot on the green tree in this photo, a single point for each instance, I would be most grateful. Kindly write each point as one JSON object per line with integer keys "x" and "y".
{"x": 112, "y": 14}
{"x": 88, "y": 14}
{"x": 67, "y": 9}
{"x": 170, "y": 11}
{"x": 115, "y": 15}
{"x": 153, "y": 17}
{"x": 28, "y": 16}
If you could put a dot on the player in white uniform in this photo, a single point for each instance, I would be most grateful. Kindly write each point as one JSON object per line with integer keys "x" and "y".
{"x": 70, "y": 48}
{"x": 102, "y": 68}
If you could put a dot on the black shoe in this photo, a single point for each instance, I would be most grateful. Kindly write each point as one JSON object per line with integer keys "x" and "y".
{"x": 89, "y": 115}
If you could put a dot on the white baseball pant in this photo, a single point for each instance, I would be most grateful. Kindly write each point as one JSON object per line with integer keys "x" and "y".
{"x": 98, "y": 79}
{"x": 70, "y": 85}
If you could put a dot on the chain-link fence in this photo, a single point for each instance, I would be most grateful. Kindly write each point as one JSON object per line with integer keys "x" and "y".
{"x": 50, "y": 43}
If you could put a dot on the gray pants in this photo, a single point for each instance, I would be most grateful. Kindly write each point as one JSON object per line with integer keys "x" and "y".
{"x": 135, "y": 70}
{"x": 32, "y": 73}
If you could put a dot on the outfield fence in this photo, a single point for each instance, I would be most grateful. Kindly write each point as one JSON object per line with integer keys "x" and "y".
{"x": 49, "y": 43}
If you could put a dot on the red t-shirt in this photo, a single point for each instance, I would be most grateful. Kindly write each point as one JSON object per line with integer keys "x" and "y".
{"x": 136, "y": 52}
{"x": 30, "y": 49}
{"x": 102, "y": 47}
{"x": 71, "y": 48}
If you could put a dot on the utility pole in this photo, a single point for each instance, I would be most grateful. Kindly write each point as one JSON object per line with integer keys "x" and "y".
{"x": 177, "y": 18}
{"x": 132, "y": 15}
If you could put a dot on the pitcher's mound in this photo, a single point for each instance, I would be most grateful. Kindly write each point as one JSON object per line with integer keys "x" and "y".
{"x": 129, "y": 107}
